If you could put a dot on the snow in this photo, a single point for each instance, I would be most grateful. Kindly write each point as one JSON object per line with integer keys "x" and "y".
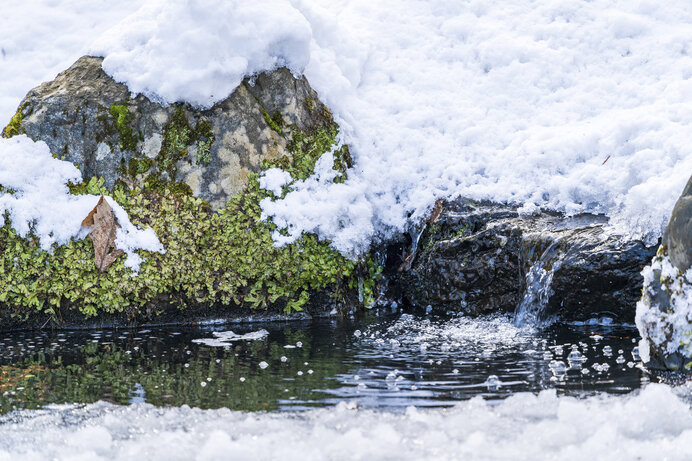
{"x": 37, "y": 200}
{"x": 199, "y": 52}
{"x": 668, "y": 329}
{"x": 274, "y": 179}
{"x": 567, "y": 105}
{"x": 651, "y": 425}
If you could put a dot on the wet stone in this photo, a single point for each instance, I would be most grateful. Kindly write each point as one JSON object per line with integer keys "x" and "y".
{"x": 480, "y": 258}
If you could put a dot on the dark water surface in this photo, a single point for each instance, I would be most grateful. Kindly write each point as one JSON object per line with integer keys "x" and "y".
{"x": 389, "y": 361}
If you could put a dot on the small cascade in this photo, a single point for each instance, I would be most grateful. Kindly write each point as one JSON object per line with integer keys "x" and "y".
{"x": 538, "y": 290}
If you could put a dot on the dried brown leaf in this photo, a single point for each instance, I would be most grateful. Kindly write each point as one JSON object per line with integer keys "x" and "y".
{"x": 103, "y": 227}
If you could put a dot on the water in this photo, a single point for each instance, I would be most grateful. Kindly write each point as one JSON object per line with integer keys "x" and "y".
{"x": 385, "y": 362}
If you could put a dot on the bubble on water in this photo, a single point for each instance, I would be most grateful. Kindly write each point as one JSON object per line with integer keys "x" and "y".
{"x": 242, "y": 379}
{"x": 300, "y": 373}
{"x": 414, "y": 387}
{"x": 299, "y": 344}
{"x": 263, "y": 365}
{"x": 558, "y": 368}
{"x": 607, "y": 351}
{"x": 455, "y": 371}
{"x": 357, "y": 333}
{"x": 585, "y": 371}
{"x": 310, "y": 372}
{"x": 284, "y": 358}
{"x": 596, "y": 338}
{"x": 203, "y": 384}
{"x": 620, "y": 360}
{"x": 630, "y": 364}
{"x": 493, "y": 382}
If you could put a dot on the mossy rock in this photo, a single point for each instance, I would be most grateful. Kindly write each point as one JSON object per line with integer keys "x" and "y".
{"x": 220, "y": 255}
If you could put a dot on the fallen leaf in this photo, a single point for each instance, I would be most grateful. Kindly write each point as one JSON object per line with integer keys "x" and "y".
{"x": 103, "y": 227}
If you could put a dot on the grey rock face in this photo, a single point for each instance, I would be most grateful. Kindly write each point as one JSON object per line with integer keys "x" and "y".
{"x": 678, "y": 234}
{"x": 87, "y": 118}
{"x": 482, "y": 258}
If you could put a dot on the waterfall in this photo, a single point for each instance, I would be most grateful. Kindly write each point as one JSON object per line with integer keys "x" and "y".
{"x": 538, "y": 289}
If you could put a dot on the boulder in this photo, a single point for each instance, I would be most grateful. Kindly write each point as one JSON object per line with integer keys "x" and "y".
{"x": 89, "y": 119}
{"x": 664, "y": 312}
{"x": 482, "y": 257}
{"x": 193, "y": 176}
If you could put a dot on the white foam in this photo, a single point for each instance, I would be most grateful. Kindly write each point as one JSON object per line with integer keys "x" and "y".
{"x": 653, "y": 425}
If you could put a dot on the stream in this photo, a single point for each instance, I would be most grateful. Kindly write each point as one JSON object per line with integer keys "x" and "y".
{"x": 385, "y": 385}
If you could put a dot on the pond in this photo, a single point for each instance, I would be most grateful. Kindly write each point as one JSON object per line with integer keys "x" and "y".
{"x": 384, "y": 359}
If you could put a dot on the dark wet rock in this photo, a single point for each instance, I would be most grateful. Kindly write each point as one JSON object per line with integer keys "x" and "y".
{"x": 87, "y": 118}
{"x": 482, "y": 257}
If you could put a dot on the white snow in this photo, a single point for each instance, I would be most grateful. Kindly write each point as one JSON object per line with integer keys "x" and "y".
{"x": 274, "y": 179}
{"x": 652, "y": 425}
{"x": 568, "y": 105}
{"x": 667, "y": 330}
{"x": 37, "y": 199}
{"x": 200, "y": 51}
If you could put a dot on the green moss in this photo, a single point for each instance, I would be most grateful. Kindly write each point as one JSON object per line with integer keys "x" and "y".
{"x": 123, "y": 120}
{"x": 139, "y": 165}
{"x": 310, "y": 105}
{"x": 14, "y": 128}
{"x": 305, "y": 149}
{"x": 211, "y": 258}
{"x": 223, "y": 258}
{"x": 179, "y": 136}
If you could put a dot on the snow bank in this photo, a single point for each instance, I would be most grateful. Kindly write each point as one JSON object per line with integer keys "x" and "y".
{"x": 653, "y": 425}
{"x": 665, "y": 329}
{"x": 37, "y": 199}
{"x": 200, "y": 51}
{"x": 568, "y": 105}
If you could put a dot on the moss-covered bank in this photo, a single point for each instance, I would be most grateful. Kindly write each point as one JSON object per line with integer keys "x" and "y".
{"x": 221, "y": 259}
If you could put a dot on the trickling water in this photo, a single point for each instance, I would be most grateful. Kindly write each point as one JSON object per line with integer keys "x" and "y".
{"x": 538, "y": 290}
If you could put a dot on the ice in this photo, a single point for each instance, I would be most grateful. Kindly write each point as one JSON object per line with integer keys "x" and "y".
{"x": 651, "y": 425}
{"x": 38, "y": 201}
{"x": 227, "y": 338}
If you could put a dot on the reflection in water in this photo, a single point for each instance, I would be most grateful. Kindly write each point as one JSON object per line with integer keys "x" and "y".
{"x": 377, "y": 361}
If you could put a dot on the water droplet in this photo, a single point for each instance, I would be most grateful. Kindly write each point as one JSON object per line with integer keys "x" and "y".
{"x": 635, "y": 354}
